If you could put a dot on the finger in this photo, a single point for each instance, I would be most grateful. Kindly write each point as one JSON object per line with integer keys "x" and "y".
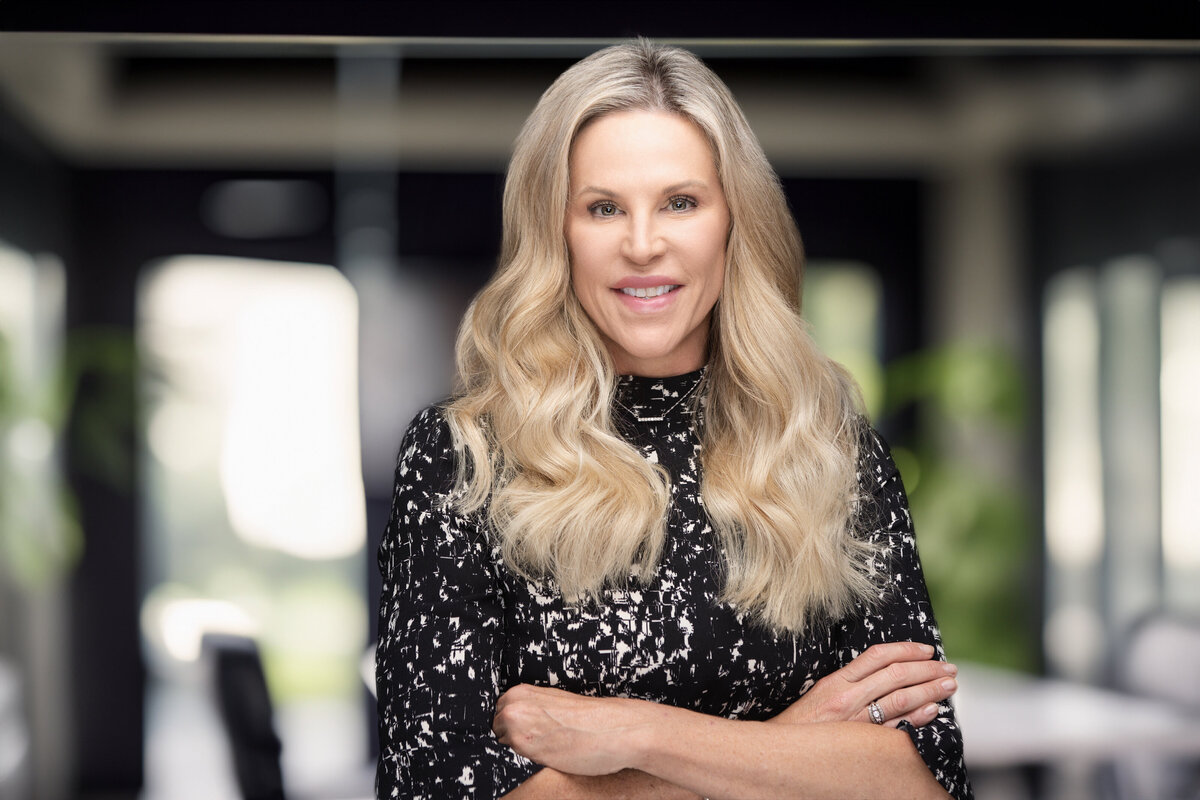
{"x": 530, "y": 690}
{"x": 878, "y": 656}
{"x": 516, "y": 694}
{"x": 921, "y": 716}
{"x": 912, "y": 699}
{"x": 902, "y": 674}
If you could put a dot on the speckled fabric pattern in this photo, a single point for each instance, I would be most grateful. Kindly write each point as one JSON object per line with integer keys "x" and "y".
{"x": 457, "y": 628}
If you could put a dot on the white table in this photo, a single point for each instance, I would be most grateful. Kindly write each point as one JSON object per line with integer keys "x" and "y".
{"x": 1014, "y": 719}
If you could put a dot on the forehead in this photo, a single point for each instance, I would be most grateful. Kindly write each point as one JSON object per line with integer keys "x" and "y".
{"x": 641, "y": 142}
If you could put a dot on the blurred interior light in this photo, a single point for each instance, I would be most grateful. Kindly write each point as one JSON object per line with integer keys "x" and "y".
{"x": 31, "y": 440}
{"x": 17, "y": 277}
{"x": 1074, "y": 480}
{"x": 265, "y": 209}
{"x": 185, "y": 621}
{"x": 1180, "y": 386}
{"x": 272, "y": 353}
{"x": 290, "y": 456}
{"x": 180, "y": 436}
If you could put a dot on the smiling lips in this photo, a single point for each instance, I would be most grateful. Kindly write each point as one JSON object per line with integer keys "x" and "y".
{"x": 642, "y": 289}
{"x": 649, "y": 291}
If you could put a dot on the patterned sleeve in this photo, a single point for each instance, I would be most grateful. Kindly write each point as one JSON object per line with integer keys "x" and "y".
{"x": 440, "y": 635}
{"x": 905, "y": 613}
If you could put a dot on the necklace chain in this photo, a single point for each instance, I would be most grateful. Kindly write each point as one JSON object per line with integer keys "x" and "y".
{"x": 663, "y": 415}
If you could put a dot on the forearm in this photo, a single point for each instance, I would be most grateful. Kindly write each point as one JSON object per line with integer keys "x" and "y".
{"x": 720, "y": 758}
{"x": 628, "y": 784}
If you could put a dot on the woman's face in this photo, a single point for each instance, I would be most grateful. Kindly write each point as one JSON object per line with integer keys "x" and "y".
{"x": 646, "y": 226}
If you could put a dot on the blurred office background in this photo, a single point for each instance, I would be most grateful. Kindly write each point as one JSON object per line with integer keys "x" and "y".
{"x": 234, "y": 251}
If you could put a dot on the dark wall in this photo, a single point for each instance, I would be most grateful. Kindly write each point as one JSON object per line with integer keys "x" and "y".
{"x": 34, "y": 190}
{"x": 876, "y": 221}
{"x": 1088, "y": 209}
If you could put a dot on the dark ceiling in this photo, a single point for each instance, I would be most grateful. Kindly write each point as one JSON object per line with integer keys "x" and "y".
{"x": 702, "y": 18}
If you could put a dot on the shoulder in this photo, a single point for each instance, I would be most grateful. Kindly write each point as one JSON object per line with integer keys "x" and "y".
{"x": 427, "y": 449}
{"x": 882, "y": 514}
{"x": 429, "y": 426}
{"x": 877, "y": 472}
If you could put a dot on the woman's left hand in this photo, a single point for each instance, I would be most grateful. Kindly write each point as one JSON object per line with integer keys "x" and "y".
{"x": 568, "y": 732}
{"x": 903, "y": 678}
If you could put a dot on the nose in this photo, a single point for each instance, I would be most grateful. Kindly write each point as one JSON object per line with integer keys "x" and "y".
{"x": 643, "y": 241}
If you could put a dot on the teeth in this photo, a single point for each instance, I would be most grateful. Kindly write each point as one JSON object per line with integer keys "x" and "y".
{"x": 653, "y": 291}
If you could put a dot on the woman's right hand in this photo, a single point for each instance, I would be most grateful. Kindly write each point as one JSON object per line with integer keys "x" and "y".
{"x": 901, "y": 677}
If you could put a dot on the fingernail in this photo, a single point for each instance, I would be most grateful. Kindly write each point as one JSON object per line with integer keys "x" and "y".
{"x": 949, "y": 685}
{"x": 950, "y": 669}
{"x": 930, "y": 710}
{"x": 927, "y": 648}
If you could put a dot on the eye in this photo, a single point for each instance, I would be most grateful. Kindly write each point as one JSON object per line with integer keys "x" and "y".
{"x": 603, "y": 209}
{"x": 681, "y": 203}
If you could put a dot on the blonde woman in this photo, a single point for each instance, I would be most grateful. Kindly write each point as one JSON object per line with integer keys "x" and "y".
{"x": 651, "y": 548}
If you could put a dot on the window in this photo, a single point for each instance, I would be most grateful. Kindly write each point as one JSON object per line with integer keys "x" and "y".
{"x": 254, "y": 510}
{"x": 1121, "y": 354}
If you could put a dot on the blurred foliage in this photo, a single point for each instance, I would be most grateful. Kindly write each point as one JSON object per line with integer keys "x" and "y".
{"x": 98, "y": 389}
{"x": 90, "y": 394}
{"x": 976, "y": 536}
{"x": 309, "y": 650}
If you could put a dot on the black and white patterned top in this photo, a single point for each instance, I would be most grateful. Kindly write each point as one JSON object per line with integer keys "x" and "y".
{"x": 457, "y": 628}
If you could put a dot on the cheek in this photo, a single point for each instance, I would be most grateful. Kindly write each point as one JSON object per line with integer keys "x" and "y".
{"x": 586, "y": 287}
{"x": 710, "y": 255}
{"x": 582, "y": 280}
{"x": 587, "y": 274}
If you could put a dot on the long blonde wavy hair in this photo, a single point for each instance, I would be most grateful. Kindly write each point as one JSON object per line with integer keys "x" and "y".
{"x": 538, "y": 451}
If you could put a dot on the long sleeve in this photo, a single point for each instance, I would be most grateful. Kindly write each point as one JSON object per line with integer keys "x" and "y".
{"x": 904, "y": 612}
{"x": 441, "y": 629}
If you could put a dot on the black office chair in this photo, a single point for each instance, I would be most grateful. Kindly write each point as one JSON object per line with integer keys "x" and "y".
{"x": 247, "y": 714}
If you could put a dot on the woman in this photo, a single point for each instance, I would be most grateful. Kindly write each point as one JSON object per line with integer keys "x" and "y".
{"x": 651, "y": 549}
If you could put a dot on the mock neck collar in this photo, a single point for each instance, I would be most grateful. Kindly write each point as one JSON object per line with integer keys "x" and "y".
{"x": 650, "y": 398}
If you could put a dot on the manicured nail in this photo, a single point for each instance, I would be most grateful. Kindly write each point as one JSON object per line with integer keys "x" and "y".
{"x": 950, "y": 669}
{"x": 949, "y": 685}
{"x": 930, "y": 710}
{"x": 927, "y": 648}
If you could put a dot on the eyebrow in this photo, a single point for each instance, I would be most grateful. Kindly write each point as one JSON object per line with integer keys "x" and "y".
{"x": 674, "y": 187}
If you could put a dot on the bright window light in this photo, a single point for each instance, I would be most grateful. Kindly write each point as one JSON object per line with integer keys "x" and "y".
{"x": 1180, "y": 386}
{"x": 1074, "y": 481}
{"x": 843, "y": 303}
{"x": 273, "y": 347}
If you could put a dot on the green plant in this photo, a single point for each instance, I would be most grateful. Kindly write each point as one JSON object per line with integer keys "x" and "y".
{"x": 90, "y": 395}
{"x": 976, "y": 536}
